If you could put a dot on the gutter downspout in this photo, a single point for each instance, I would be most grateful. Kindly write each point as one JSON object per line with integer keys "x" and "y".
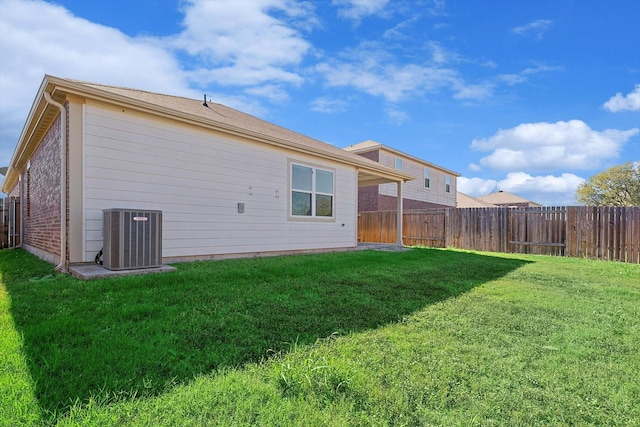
{"x": 62, "y": 266}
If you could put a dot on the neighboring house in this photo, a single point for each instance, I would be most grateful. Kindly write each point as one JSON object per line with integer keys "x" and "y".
{"x": 466, "y": 201}
{"x": 227, "y": 183}
{"x": 434, "y": 186}
{"x": 503, "y": 198}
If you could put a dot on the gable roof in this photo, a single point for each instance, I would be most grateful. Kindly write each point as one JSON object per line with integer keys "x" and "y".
{"x": 190, "y": 111}
{"x": 370, "y": 145}
{"x": 466, "y": 201}
{"x": 504, "y": 198}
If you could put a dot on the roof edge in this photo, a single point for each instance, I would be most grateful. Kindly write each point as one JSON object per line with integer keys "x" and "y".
{"x": 38, "y": 104}
{"x": 374, "y": 145}
{"x": 57, "y": 85}
{"x": 347, "y": 158}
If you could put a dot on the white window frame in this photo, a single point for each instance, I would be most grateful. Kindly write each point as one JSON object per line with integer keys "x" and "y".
{"x": 427, "y": 178}
{"x": 399, "y": 163}
{"x": 447, "y": 184}
{"x": 314, "y": 192}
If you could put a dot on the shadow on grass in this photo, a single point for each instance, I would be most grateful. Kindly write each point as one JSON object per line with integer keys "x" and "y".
{"x": 136, "y": 336}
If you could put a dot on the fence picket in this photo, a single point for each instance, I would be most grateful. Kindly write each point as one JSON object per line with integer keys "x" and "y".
{"x": 608, "y": 233}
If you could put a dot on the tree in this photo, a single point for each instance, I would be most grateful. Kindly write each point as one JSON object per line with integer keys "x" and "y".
{"x": 616, "y": 186}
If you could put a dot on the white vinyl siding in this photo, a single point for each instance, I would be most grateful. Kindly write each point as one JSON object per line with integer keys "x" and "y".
{"x": 197, "y": 178}
{"x": 415, "y": 189}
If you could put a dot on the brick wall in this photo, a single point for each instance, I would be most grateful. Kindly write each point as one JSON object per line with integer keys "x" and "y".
{"x": 369, "y": 201}
{"x": 371, "y": 155}
{"x": 368, "y": 198}
{"x": 389, "y": 203}
{"x": 40, "y": 195}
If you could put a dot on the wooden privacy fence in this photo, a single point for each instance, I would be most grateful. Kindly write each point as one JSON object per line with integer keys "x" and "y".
{"x": 607, "y": 233}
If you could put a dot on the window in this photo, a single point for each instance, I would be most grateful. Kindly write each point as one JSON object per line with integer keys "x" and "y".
{"x": 311, "y": 192}
{"x": 398, "y": 163}
{"x": 427, "y": 178}
{"x": 447, "y": 184}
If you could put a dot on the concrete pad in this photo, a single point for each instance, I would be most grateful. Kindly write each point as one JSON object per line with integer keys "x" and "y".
{"x": 95, "y": 271}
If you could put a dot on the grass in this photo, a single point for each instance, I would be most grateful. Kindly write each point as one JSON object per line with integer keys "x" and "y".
{"x": 424, "y": 337}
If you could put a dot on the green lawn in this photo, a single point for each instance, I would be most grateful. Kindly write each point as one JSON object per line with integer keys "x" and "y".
{"x": 423, "y": 337}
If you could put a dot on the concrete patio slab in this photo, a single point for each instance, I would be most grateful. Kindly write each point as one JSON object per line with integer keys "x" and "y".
{"x": 95, "y": 271}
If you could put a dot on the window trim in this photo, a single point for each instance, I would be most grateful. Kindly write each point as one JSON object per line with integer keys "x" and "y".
{"x": 314, "y": 193}
{"x": 427, "y": 177}
{"x": 399, "y": 160}
{"x": 447, "y": 184}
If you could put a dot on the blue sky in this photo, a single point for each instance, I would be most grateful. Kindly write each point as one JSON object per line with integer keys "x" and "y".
{"x": 530, "y": 97}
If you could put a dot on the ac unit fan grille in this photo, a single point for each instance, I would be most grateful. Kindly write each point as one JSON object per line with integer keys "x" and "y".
{"x": 132, "y": 239}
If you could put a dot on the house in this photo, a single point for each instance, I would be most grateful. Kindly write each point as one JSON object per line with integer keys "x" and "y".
{"x": 466, "y": 201}
{"x": 227, "y": 183}
{"x": 503, "y": 198}
{"x": 434, "y": 186}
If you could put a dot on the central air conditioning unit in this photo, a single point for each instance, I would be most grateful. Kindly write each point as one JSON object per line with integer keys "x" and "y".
{"x": 131, "y": 239}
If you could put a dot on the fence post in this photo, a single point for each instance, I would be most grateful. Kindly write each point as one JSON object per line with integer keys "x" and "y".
{"x": 447, "y": 227}
{"x": 504, "y": 215}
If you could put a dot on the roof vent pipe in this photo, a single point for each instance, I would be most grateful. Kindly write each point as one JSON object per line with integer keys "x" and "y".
{"x": 205, "y": 101}
{"x": 63, "y": 181}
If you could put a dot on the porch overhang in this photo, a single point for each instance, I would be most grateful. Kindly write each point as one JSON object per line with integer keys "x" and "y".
{"x": 385, "y": 175}
{"x": 376, "y": 177}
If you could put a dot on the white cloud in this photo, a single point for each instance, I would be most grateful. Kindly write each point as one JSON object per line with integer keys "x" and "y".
{"x": 441, "y": 55}
{"x": 521, "y": 77}
{"x": 274, "y": 93}
{"x": 548, "y": 190}
{"x": 537, "y": 28}
{"x": 374, "y": 69}
{"x": 511, "y": 79}
{"x": 327, "y": 105}
{"x": 384, "y": 69}
{"x": 477, "y": 92}
{"x": 551, "y": 146}
{"x": 358, "y": 9}
{"x": 476, "y": 186}
{"x": 394, "y": 82}
{"x": 38, "y": 38}
{"x": 402, "y": 30}
{"x": 524, "y": 182}
{"x": 629, "y": 102}
{"x": 243, "y": 76}
{"x": 541, "y": 68}
{"x": 230, "y": 42}
{"x": 396, "y": 116}
{"x": 439, "y": 8}
{"x": 244, "y": 43}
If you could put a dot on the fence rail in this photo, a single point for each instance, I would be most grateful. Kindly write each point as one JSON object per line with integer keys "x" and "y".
{"x": 606, "y": 233}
